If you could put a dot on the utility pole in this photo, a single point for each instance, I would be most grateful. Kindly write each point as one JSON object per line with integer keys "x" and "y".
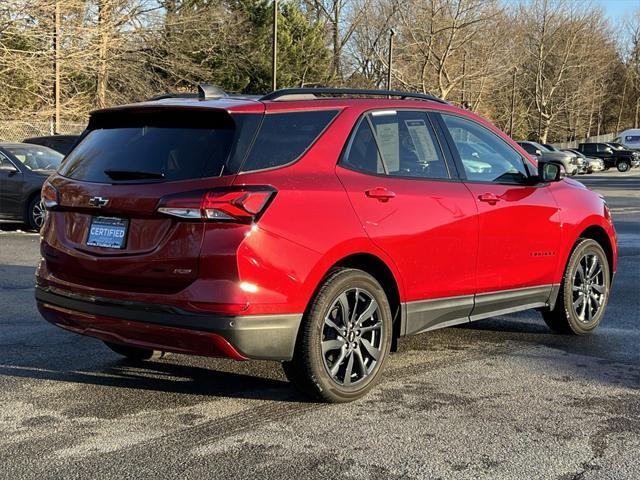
{"x": 56, "y": 68}
{"x": 513, "y": 101}
{"x": 392, "y": 32}
{"x": 274, "y": 47}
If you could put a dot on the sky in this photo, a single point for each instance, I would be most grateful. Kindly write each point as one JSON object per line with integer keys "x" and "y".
{"x": 618, "y": 10}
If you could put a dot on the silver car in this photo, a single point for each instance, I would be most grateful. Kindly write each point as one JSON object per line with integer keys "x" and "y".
{"x": 568, "y": 160}
{"x": 592, "y": 164}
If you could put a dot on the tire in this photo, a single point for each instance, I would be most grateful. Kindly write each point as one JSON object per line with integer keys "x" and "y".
{"x": 337, "y": 361}
{"x": 570, "y": 315}
{"x": 623, "y": 166}
{"x": 135, "y": 353}
{"x": 34, "y": 216}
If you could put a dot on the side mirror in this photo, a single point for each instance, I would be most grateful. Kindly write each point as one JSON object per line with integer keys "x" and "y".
{"x": 10, "y": 170}
{"x": 608, "y": 150}
{"x": 550, "y": 172}
{"x": 538, "y": 153}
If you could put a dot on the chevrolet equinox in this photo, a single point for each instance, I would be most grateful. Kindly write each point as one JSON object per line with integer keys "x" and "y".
{"x": 313, "y": 227}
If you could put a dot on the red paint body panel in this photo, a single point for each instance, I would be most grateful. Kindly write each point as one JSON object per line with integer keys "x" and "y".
{"x": 436, "y": 237}
{"x": 429, "y": 229}
{"x": 141, "y": 335}
{"x": 519, "y": 236}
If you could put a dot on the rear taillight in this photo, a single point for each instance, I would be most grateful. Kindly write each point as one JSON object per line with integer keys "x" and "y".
{"x": 49, "y": 196}
{"x": 230, "y": 204}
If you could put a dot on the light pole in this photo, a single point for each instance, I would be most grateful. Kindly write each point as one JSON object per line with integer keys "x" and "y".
{"x": 513, "y": 101}
{"x": 464, "y": 75}
{"x": 392, "y": 32}
{"x": 56, "y": 68}
{"x": 274, "y": 47}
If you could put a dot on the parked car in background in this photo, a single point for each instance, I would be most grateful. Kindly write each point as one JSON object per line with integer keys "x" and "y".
{"x": 591, "y": 164}
{"x": 550, "y": 147}
{"x": 623, "y": 160}
{"x": 636, "y": 153}
{"x": 23, "y": 170}
{"x": 630, "y": 139}
{"x": 286, "y": 228}
{"x": 616, "y": 145}
{"x": 568, "y": 160}
{"x": 60, "y": 143}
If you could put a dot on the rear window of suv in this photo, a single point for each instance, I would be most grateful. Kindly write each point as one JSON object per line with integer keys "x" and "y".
{"x": 148, "y": 146}
{"x": 122, "y": 146}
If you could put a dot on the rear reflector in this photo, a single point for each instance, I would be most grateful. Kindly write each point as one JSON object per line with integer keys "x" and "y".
{"x": 228, "y": 204}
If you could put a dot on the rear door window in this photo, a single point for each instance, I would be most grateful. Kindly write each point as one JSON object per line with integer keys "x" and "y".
{"x": 362, "y": 153}
{"x": 158, "y": 146}
{"x": 284, "y": 137}
{"x": 398, "y": 144}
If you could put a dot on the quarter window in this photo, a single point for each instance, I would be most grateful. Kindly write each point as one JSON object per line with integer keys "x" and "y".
{"x": 284, "y": 137}
{"x": 485, "y": 156}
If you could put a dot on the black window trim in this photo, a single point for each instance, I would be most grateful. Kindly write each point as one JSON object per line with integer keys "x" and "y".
{"x": 13, "y": 162}
{"x": 337, "y": 112}
{"x": 452, "y": 172}
{"x": 458, "y": 161}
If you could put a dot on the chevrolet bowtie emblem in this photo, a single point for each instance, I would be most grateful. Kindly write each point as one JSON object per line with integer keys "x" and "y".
{"x": 98, "y": 201}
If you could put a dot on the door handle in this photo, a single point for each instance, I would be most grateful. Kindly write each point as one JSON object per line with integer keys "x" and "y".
{"x": 490, "y": 198}
{"x": 381, "y": 193}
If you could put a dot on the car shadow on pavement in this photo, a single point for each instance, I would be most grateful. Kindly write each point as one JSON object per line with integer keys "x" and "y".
{"x": 165, "y": 377}
{"x": 14, "y": 227}
{"x": 611, "y": 349}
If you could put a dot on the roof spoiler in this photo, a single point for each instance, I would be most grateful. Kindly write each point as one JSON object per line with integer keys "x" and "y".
{"x": 206, "y": 91}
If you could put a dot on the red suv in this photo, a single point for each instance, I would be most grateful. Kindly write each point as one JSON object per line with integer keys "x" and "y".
{"x": 313, "y": 227}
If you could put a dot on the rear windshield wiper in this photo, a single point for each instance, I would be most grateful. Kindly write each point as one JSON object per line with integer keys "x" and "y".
{"x": 132, "y": 174}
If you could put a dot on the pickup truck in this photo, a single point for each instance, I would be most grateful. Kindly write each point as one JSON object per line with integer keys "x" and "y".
{"x": 623, "y": 160}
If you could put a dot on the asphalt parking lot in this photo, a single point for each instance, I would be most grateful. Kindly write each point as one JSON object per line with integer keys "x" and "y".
{"x": 500, "y": 398}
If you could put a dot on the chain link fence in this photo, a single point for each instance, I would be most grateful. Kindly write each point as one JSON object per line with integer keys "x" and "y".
{"x": 18, "y": 130}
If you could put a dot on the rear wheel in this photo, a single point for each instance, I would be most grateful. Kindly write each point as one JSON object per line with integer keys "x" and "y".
{"x": 624, "y": 166}
{"x": 135, "y": 353}
{"x": 344, "y": 338}
{"x": 584, "y": 291}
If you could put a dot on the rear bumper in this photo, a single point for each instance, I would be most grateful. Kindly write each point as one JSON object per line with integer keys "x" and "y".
{"x": 164, "y": 327}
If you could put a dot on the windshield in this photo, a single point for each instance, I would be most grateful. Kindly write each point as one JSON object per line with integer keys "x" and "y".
{"x": 36, "y": 157}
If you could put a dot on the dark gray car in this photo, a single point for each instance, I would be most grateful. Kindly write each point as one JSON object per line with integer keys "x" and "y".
{"x": 23, "y": 170}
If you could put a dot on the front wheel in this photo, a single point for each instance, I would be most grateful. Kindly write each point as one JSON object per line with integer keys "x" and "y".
{"x": 35, "y": 214}
{"x": 344, "y": 338}
{"x": 624, "y": 166}
{"x": 584, "y": 291}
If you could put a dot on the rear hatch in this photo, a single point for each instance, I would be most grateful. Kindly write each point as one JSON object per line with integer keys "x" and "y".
{"x": 106, "y": 228}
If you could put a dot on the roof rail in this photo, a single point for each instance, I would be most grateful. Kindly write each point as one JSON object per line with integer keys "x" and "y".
{"x": 297, "y": 92}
